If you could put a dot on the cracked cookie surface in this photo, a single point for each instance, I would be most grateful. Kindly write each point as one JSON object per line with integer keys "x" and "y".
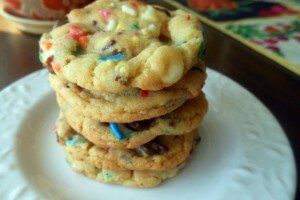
{"x": 112, "y": 45}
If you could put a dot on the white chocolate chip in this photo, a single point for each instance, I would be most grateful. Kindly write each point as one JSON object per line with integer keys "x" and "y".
{"x": 174, "y": 73}
{"x": 152, "y": 27}
{"x": 112, "y": 4}
{"x": 149, "y": 14}
{"x": 129, "y": 10}
{"x": 111, "y": 25}
{"x": 167, "y": 62}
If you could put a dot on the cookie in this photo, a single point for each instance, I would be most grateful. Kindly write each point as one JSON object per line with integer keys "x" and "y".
{"x": 182, "y": 120}
{"x": 133, "y": 178}
{"x": 130, "y": 105}
{"x": 111, "y": 46}
{"x": 164, "y": 152}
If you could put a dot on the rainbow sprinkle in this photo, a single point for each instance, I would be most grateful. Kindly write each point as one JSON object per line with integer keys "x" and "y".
{"x": 115, "y": 57}
{"x": 111, "y": 25}
{"x": 144, "y": 93}
{"x": 134, "y": 27}
{"x": 105, "y": 14}
{"x": 201, "y": 51}
{"x": 128, "y": 10}
{"x": 41, "y": 57}
{"x": 75, "y": 140}
{"x": 115, "y": 130}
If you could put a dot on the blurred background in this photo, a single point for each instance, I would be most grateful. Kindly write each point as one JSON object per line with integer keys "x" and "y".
{"x": 254, "y": 42}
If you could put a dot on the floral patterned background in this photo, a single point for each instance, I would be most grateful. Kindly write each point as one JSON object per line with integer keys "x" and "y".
{"x": 272, "y": 27}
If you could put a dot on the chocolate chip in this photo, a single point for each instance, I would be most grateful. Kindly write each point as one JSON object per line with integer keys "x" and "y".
{"x": 67, "y": 85}
{"x": 153, "y": 147}
{"x": 197, "y": 140}
{"x": 94, "y": 22}
{"x": 121, "y": 80}
{"x": 197, "y": 69}
{"x": 117, "y": 78}
{"x": 48, "y": 64}
{"x": 104, "y": 124}
{"x": 57, "y": 138}
{"x": 157, "y": 147}
{"x": 139, "y": 125}
{"x": 171, "y": 123}
{"x": 162, "y": 10}
{"x": 163, "y": 38}
{"x": 109, "y": 44}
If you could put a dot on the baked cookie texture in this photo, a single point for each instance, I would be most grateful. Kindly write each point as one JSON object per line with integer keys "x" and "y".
{"x": 163, "y": 153}
{"x": 112, "y": 45}
{"x": 128, "y": 80}
{"x": 182, "y": 120}
{"x": 133, "y": 178}
{"x": 130, "y": 105}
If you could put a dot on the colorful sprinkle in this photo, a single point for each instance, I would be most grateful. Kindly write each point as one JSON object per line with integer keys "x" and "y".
{"x": 36, "y": 16}
{"x": 134, "y": 27}
{"x": 131, "y": 134}
{"x": 115, "y": 57}
{"x": 144, "y": 93}
{"x": 177, "y": 44}
{"x": 83, "y": 41}
{"x": 105, "y": 14}
{"x": 56, "y": 68}
{"x": 111, "y": 24}
{"x": 201, "y": 51}
{"x": 107, "y": 175}
{"x": 134, "y": 4}
{"x": 41, "y": 57}
{"x": 75, "y": 32}
{"x": 129, "y": 10}
{"x": 48, "y": 45}
{"x": 65, "y": 107}
{"x": 115, "y": 130}
{"x": 75, "y": 140}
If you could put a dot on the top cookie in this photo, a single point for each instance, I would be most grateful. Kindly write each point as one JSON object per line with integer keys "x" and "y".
{"x": 113, "y": 45}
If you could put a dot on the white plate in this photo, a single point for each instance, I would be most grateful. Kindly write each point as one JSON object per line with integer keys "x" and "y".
{"x": 244, "y": 153}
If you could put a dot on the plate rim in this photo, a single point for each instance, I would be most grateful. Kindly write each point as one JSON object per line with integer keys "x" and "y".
{"x": 42, "y": 73}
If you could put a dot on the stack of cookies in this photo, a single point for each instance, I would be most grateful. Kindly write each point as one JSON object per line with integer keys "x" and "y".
{"x": 128, "y": 79}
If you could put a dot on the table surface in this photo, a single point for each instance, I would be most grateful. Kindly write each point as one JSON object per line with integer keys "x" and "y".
{"x": 276, "y": 87}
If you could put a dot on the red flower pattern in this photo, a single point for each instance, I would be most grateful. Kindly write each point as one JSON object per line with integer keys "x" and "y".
{"x": 275, "y": 10}
{"x": 206, "y": 5}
